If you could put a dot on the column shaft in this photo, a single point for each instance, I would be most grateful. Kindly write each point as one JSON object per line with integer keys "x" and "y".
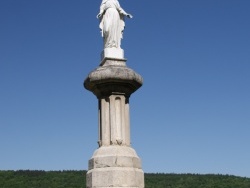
{"x": 114, "y": 125}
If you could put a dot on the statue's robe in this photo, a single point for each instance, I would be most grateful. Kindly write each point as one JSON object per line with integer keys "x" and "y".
{"x": 112, "y": 23}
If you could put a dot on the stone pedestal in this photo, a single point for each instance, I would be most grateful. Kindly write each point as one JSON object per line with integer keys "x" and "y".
{"x": 112, "y": 53}
{"x": 115, "y": 163}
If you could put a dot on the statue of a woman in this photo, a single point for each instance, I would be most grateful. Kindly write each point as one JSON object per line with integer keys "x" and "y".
{"x": 112, "y": 22}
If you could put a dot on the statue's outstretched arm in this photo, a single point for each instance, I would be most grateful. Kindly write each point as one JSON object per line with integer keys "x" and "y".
{"x": 124, "y": 13}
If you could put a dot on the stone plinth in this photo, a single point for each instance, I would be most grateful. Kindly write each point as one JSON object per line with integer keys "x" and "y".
{"x": 115, "y": 163}
{"x": 115, "y": 166}
{"x": 112, "y": 53}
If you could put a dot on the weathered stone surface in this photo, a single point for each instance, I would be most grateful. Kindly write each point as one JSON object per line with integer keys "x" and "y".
{"x": 115, "y": 166}
{"x": 115, "y": 156}
{"x": 115, "y": 163}
{"x": 115, "y": 177}
{"x": 106, "y": 80}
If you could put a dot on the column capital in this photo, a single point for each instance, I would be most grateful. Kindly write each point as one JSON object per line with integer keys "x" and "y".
{"x": 113, "y": 77}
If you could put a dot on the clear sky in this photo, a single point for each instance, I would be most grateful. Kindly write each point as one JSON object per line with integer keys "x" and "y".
{"x": 192, "y": 114}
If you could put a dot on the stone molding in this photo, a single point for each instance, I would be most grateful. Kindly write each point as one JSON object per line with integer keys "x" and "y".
{"x": 113, "y": 77}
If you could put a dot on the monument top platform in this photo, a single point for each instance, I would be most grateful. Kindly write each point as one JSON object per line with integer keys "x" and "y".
{"x": 117, "y": 53}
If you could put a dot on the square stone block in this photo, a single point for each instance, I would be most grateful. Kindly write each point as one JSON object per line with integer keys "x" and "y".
{"x": 114, "y": 161}
{"x": 115, "y": 177}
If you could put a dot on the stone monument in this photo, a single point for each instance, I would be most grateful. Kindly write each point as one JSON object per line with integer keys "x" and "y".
{"x": 115, "y": 163}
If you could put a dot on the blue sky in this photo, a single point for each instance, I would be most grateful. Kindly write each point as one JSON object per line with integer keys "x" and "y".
{"x": 192, "y": 114}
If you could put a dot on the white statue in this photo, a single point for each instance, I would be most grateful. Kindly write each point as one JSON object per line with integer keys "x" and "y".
{"x": 112, "y": 23}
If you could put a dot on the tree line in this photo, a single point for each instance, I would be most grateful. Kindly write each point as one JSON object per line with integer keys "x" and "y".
{"x": 77, "y": 179}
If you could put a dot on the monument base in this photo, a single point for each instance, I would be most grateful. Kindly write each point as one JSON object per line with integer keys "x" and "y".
{"x": 115, "y": 163}
{"x": 115, "y": 166}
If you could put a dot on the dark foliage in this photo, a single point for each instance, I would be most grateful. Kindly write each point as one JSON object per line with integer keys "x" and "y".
{"x": 195, "y": 181}
{"x": 42, "y": 179}
{"x": 77, "y": 179}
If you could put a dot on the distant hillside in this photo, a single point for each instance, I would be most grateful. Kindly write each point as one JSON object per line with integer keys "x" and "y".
{"x": 77, "y": 179}
{"x": 195, "y": 181}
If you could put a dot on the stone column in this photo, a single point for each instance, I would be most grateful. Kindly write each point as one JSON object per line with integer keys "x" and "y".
{"x": 115, "y": 163}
